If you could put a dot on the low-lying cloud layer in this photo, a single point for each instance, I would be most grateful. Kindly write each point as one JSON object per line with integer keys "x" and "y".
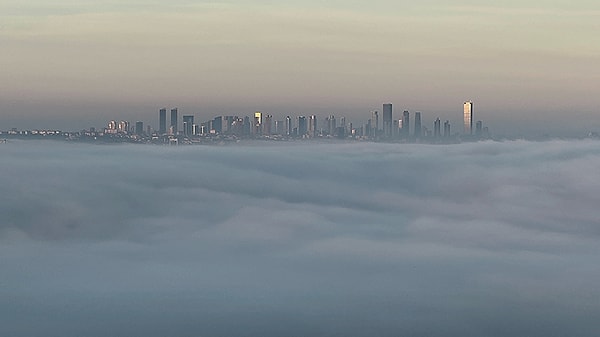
{"x": 485, "y": 239}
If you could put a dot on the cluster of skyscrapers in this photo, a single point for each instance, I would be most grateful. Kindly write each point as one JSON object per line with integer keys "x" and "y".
{"x": 261, "y": 125}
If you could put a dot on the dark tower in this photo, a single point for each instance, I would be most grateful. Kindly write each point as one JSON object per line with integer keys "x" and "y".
{"x": 417, "y": 131}
{"x": 188, "y": 125}
{"x": 387, "y": 120}
{"x": 174, "y": 120}
{"x": 406, "y": 124}
{"x": 162, "y": 121}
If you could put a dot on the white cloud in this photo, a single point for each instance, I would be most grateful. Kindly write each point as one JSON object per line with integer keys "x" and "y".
{"x": 477, "y": 238}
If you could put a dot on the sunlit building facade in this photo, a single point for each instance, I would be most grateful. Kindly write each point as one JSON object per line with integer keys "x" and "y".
{"x": 468, "y": 117}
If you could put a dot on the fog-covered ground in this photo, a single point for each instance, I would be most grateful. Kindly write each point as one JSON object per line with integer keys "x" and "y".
{"x": 262, "y": 239}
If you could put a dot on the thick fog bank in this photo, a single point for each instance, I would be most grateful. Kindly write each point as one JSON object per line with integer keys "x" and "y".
{"x": 483, "y": 239}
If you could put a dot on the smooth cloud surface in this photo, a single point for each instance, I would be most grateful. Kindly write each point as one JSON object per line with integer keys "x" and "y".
{"x": 486, "y": 239}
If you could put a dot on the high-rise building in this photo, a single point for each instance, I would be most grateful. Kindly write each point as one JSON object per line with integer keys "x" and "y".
{"x": 418, "y": 127}
{"x": 257, "y": 123}
{"x": 406, "y": 124}
{"x": 375, "y": 123}
{"x": 188, "y": 125}
{"x": 302, "y": 126}
{"x": 437, "y": 128}
{"x": 123, "y": 127}
{"x": 312, "y": 126}
{"x": 247, "y": 126}
{"x": 217, "y": 125}
{"x": 227, "y": 123}
{"x": 267, "y": 124}
{"x": 139, "y": 128}
{"x": 279, "y": 127}
{"x": 447, "y": 129}
{"x": 162, "y": 121}
{"x": 331, "y": 125}
{"x": 468, "y": 117}
{"x": 387, "y": 120}
{"x": 288, "y": 126}
{"x": 237, "y": 126}
{"x": 479, "y": 128}
{"x": 173, "y": 128}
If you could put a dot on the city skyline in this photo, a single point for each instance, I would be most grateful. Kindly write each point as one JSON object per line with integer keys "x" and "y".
{"x": 263, "y": 125}
{"x": 390, "y": 128}
{"x": 74, "y": 63}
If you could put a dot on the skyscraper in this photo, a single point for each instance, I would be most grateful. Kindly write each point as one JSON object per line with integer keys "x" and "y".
{"x": 288, "y": 126}
{"x": 331, "y": 125}
{"x": 479, "y": 128}
{"x": 437, "y": 128}
{"x": 217, "y": 125}
{"x": 418, "y": 127}
{"x": 279, "y": 127}
{"x": 387, "y": 120}
{"x": 258, "y": 123}
{"x": 162, "y": 121}
{"x": 123, "y": 126}
{"x": 406, "y": 124}
{"x": 312, "y": 126}
{"x": 139, "y": 128}
{"x": 375, "y": 123}
{"x": 174, "y": 120}
{"x": 302, "y": 126}
{"x": 468, "y": 117}
{"x": 267, "y": 124}
{"x": 188, "y": 125}
{"x": 447, "y": 129}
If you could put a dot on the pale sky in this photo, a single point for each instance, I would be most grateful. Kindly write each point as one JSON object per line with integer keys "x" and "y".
{"x": 80, "y": 63}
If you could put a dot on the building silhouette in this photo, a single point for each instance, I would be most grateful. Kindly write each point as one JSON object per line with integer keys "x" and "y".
{"x": 162, "y": 121}
{"x": 406, "y": 124}
{"x": 331, "y": 125}
{"x": 173, "y": 126}
{"x": 257, "y": 130}
{"x": 387, "y": 120}
{"x": 312, "y": 126}
{"x": 418, "y": 127}
{"x": 267, "y": 124}
{"x": 375, "y": 123}
{"x": 479, "y": 129}
{"x": 302, "y": 126}
{"x": 139, "y": 128}
{"x": 188, "y": 125}
{"x": 437, "y": 128}
{"x": 288, "y": 126}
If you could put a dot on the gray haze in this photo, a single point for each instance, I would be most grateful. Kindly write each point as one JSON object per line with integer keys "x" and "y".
{"x": 530, "y": 66}
{"x": 261, "y": 239}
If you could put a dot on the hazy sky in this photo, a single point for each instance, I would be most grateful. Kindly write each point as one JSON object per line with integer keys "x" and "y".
{"x": 101, "y": 60}
{"x": 484, "y": 239}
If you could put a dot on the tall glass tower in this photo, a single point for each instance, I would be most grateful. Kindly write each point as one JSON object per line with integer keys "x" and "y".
{"x": 162, "y": 121}
{"x": 468, "y": 117}
{"x": 387, "y": 120}
{"x": 418, "y": 127}
{"x": 406, "y": 124}
{"x": 188, "y": 125}
{"x": 174, "y": 121}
